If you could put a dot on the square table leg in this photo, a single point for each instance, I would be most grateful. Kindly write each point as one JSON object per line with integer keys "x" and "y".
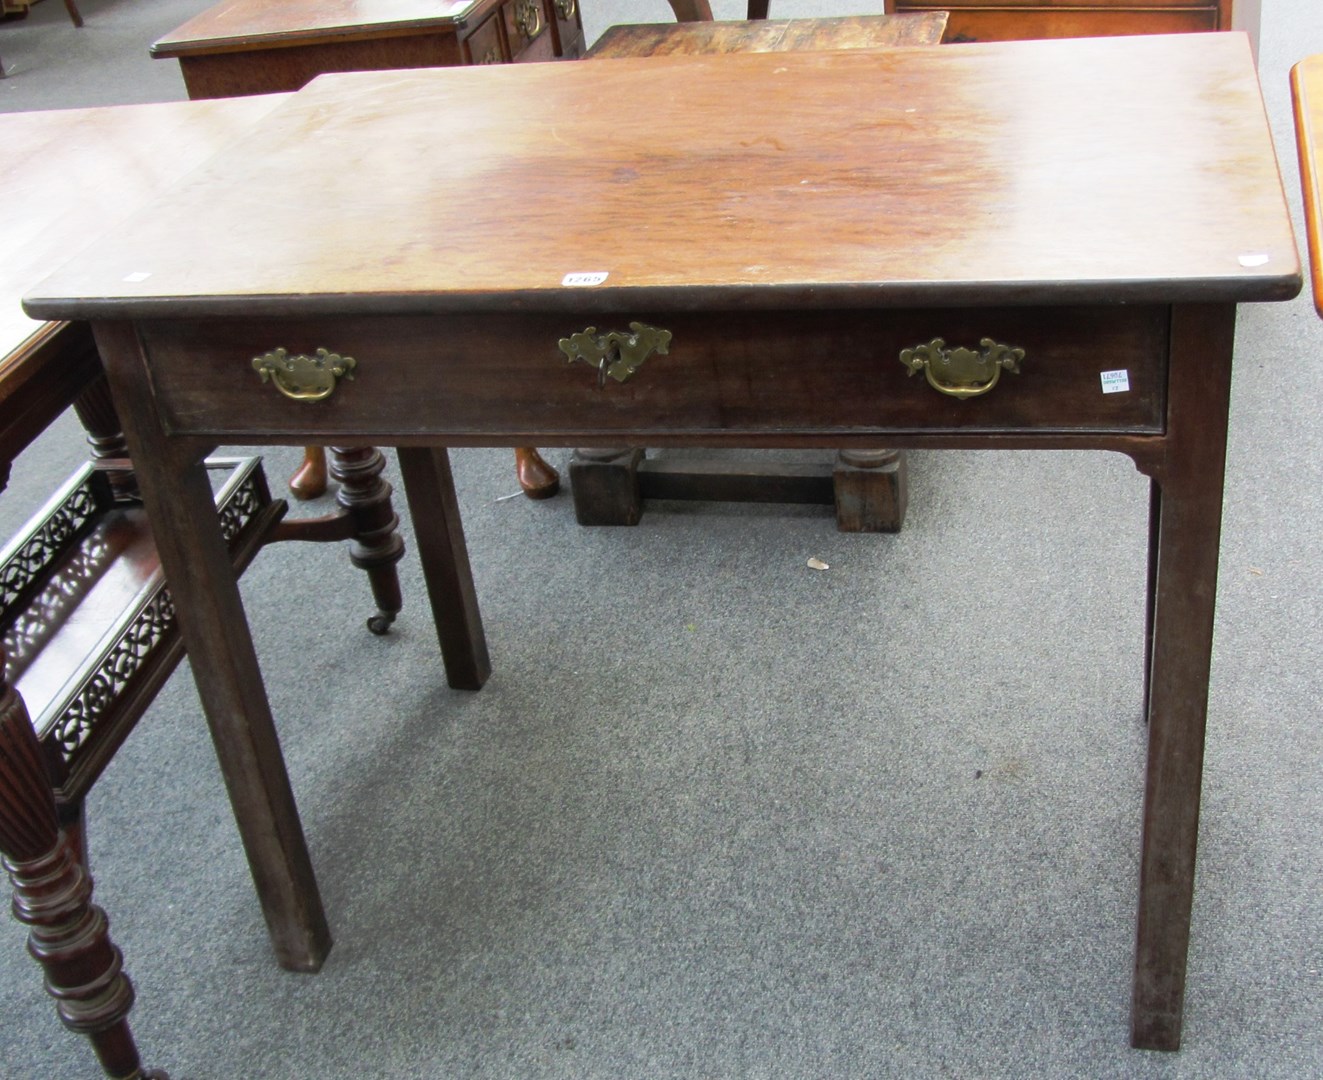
{"x": 439, "y": 533}
{"x": 1187, "y": 517}
{"x": 203, "y": 586}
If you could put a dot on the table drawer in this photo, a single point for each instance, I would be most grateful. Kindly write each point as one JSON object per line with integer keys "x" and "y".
{"x": 734, "y": 373}
{"x": 527, "y": 31}
{"x": 569, "y": 35}
{"x": 483, "y": 46}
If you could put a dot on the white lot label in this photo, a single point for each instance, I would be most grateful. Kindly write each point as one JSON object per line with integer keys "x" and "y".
{"x": 1115, "y": 382}
{"x": 584, "y": 279}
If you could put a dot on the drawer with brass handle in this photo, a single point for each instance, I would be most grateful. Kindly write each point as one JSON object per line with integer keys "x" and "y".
{"x": 526, "y": 30}
{"x": 1055, "y": 369}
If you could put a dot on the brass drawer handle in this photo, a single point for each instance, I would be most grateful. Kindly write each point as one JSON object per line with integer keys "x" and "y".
{"x": 960, "y": 372}
{"x": 566, "y": 8}
{"x": 304, "y": 378}
{"x": 528, "y": 18}
{"x": 613, "y": 353}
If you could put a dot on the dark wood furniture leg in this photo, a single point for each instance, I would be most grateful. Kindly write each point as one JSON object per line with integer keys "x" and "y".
{"x": 377, "y": 546}
{"x": 96, "y": 412}
{"x": 430, "y": 488}
{"x": 1189, "y": 516}
{"x": 869, "y": 488}
{"x": 1151, "y": 591}
{"x": 606, "y": 486}
{"x": 67, "y": 933}
{"x": 368, "y": 519}
{"x": 211, "y": 618}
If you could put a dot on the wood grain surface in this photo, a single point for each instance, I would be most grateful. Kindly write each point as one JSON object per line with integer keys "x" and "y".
{"x": 1099, "y": 170}
{"x": 769, "y": 35}
{"x": 68, "y": 175}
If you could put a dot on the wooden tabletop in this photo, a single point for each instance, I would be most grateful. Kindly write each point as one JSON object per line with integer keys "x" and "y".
{"x": 1105, "y": 169}
{"x": 68, "y": 175}
{"x": 770, "y": 35}
{"x": 239, "y": 24}
{"x": 1307, "y": 95}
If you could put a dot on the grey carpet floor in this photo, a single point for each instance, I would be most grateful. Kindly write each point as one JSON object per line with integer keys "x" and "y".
{"x": 718, "y": 815}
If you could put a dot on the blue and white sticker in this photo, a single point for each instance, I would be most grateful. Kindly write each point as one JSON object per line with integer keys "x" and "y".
{"x": 1115, "y": 382}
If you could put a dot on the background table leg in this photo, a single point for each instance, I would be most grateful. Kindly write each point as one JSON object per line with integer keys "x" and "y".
{"x": 439, "y": 533}
{"x": 377, "y": 545}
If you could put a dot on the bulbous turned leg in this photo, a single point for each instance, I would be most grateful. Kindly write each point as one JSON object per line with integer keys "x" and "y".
{"x": 537, "y": 479}
{"x": 309, "y": 479}
{"x": 377, "y": 546}
{"x": 67, "y": 934}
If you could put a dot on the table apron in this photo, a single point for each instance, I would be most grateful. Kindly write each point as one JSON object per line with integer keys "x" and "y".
{"x": 758, "y": 378}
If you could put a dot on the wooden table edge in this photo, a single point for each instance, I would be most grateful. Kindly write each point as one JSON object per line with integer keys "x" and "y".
{"x": 169, "y": 49}
{"x": 1309, "y": 135}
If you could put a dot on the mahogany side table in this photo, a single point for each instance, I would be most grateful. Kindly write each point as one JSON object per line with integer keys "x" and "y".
{"x": 797, "y": 289}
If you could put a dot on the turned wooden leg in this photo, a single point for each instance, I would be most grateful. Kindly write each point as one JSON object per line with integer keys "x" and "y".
{"x": 309, "y": 479}
{"x": 537, "y": 479}
{"x": 377, "y": 546}
{"x": 96, "y": 412}
{"x": 75, "y": 16}
{"x": 872, "y": 490}
{"x": 67, "y": 934}
{"x": 605, "y": 484}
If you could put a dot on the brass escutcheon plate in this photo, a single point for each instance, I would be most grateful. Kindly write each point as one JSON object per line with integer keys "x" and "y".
{"x": 614, "y": 353}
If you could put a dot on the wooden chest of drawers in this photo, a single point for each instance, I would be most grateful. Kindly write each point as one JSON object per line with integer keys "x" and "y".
{"x": 255, "y": 47}
{"x": 1007, "y": 20}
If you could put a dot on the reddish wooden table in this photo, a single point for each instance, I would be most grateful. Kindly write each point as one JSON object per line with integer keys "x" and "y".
{"x": 1021, "y": 245}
